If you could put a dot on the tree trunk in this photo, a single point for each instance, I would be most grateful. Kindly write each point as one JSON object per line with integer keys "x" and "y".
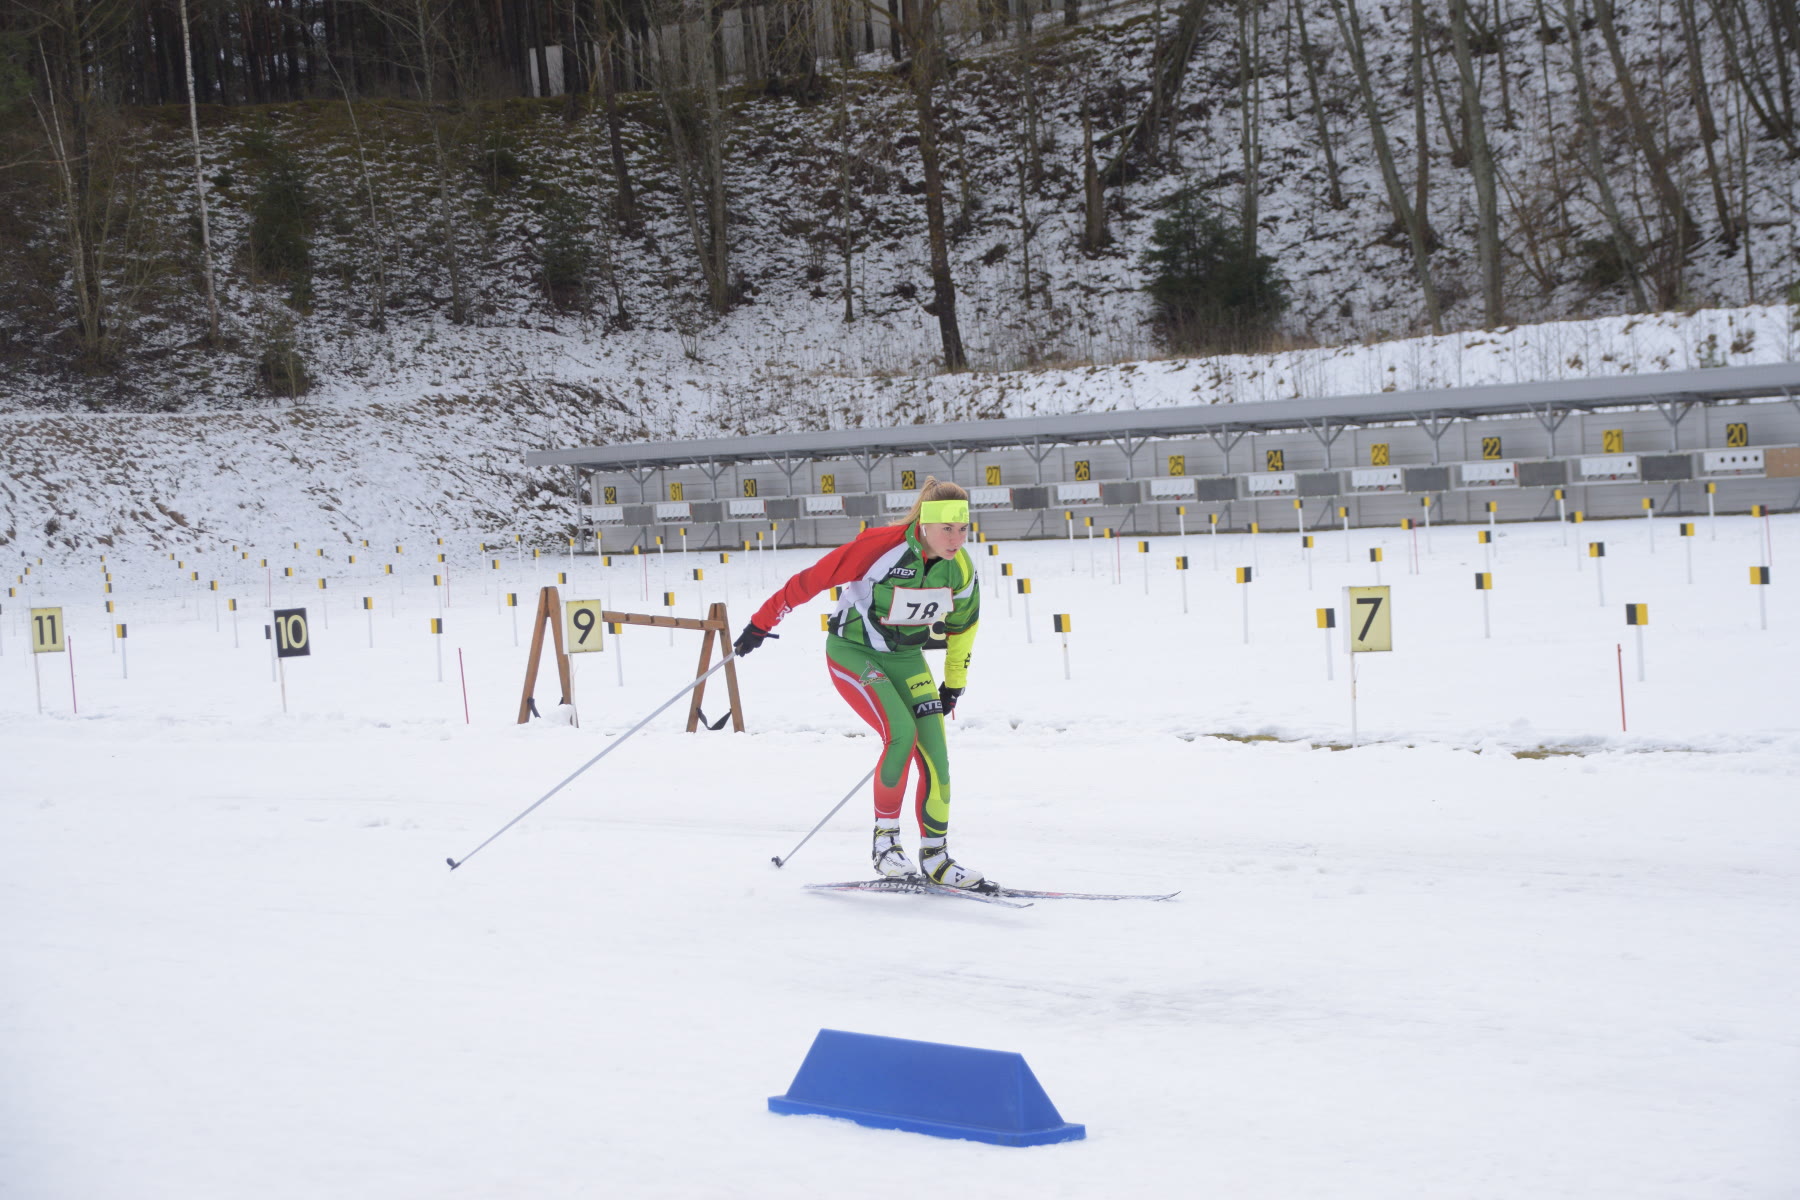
{"x": 1481, "y": 165}
{"x": 1167, "y": 72}
{"x": 1250, "y": 120}
{"x": 424, "y": 31}
{"x": 922, "y": 40}
{"x": 1413, "y": 222}
{"x": 1421, "y": 157}
{"x": 1095, "y": 234}
{"x": 1709, "y": 129}
{"x": 844, "y": 207}
{"x": 1668, "y": 196}
{"x": 1335, "y": 190}
{"x": 1622, "y": 240}
{"x": 720, "y": 276}
{"x": 625, "y": 209}
{"x": 206, "y": 258}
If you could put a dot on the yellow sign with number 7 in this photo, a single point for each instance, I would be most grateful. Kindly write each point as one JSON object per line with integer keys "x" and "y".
{"x": 1371, "y": 619}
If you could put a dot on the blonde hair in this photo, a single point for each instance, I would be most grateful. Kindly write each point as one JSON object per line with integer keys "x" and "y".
{"x": 933, "y": 490}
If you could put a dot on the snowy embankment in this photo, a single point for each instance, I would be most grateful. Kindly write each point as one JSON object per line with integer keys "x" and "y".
{"x": 396, "y": 464}
{"x": 234, "y": 962}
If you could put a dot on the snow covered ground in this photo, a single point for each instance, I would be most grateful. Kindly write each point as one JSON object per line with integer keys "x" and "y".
{"x": 233, "y": 962}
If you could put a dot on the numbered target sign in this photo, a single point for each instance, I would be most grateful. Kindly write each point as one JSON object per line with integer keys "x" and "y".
{"x": 47, "y": 631}
{"x": 292, "y": 637}
{"x": 1371, "y": 619}
{"x": 583, "y": 633}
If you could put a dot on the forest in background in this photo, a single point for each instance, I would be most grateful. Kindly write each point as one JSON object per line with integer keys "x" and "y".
{"x": 826, "y": 186}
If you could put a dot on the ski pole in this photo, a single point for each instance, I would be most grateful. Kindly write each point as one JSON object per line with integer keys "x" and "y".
{"x": 457, "y": 862}
{"x": 780, "y": 860}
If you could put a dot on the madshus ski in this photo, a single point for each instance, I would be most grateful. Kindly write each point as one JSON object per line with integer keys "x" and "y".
{"x": 1009, "y": 897}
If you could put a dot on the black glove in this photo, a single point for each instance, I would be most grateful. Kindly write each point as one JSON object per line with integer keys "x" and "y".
{"x": 750, "y": 639}
{"x": 947, "y": 696}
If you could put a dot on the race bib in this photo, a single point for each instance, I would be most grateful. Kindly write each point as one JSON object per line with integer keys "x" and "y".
{"x": 917, "y": 606}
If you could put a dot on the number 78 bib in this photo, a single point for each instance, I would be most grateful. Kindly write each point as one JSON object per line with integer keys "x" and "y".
{"x": 917, "y": 606}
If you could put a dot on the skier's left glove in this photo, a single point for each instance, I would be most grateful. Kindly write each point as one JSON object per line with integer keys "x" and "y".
{"x": 750, "y": 639}
{"x": 948, "y": 696}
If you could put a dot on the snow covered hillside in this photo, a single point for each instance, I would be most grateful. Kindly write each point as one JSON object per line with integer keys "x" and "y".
{"x": 393, "y": 465}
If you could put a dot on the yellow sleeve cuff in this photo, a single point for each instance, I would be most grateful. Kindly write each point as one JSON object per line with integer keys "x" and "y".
{"x": 956, "y": 657}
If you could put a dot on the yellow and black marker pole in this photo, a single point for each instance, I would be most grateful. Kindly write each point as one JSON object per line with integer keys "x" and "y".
{"x": 512, "y": 602}
{"x": 1375, "y": 557}
{"x": 1486, "y": 538}
{"x": 1069, "y": 520}
{"x": 1327, "y": 619}
{"x": 1637, "y": 616}
{"x": 1759, "y": 579}
{"x": 1597, "y": 552}
{"x": 1181, "y": 569}
{"x": 1712, "y": 516}
{"x": 1025, "y": 591}
{"x": 1244, "y": 576}
{"x": 1344, "y": 516}
{"x": 1306, "y": 549}
{"x": 1762, "y": 510}
{"x": 1687, "y": 540}
{"x": 1562, "y": 513}
{"x": 1144, "y": 550}
{"x": 1576, "y": 518}
{"x": 119, "y": 641}
{"x": 232, "y": 608}
{"x": 1484, "y": 583}
{"x": 1060, "y": 622}
{"x": 1212, "y": 519}
{"x": 1006, "y": 570}
{"x": 437, "y": 637}
{"x": 368, "y": 603}
{"x": 617, "y": 629}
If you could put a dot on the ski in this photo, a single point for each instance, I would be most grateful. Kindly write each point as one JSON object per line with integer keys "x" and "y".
{"x": 918, "y": 886}
{"x": 1035, "y": 895}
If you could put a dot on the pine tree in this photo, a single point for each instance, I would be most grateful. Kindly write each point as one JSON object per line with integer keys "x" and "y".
{"x": 1208, "y": 288}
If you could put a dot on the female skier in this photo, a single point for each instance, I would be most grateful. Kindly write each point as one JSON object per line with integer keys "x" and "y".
{"x": 908, "y": 588}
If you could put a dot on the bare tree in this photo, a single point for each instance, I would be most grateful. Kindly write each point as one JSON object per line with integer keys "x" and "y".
{"x": 1335, "y": 190}
{"x": 696, "y": 134}
{"x": 206, "y": 257}
{"x": 1676, "y": 217}
{"x": 920, "y": 29}
{"x": 1630, "y": 262}
{"x": 1411, "y": 220}
{"x": 1481, "y": 166}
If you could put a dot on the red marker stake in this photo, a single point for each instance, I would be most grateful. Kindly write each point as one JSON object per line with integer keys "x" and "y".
{"x": 465, "y": 684}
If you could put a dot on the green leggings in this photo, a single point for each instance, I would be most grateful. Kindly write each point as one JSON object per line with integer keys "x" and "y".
{"x": 894, "y": 692}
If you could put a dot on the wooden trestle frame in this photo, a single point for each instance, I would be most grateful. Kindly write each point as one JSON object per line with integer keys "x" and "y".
{"x": 716, "y": 624}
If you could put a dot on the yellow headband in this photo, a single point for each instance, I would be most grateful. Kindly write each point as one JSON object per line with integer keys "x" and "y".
{"x": 944, "y": 512}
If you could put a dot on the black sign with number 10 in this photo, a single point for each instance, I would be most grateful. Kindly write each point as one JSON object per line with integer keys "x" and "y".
{"x": 292, "y": 640}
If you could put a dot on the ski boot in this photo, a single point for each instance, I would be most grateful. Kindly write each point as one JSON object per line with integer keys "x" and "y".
{"x": 939, "y": 867}
{"x": 889, "y": 855}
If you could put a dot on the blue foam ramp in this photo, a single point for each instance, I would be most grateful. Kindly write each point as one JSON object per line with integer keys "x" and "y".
{"x": 925, "y": 1087}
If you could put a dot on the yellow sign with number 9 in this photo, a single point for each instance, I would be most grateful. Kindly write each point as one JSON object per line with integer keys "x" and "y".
{"x": 583, "y": 633}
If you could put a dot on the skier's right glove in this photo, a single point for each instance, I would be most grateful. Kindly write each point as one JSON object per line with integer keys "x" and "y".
{"x": 750, "y": 639}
